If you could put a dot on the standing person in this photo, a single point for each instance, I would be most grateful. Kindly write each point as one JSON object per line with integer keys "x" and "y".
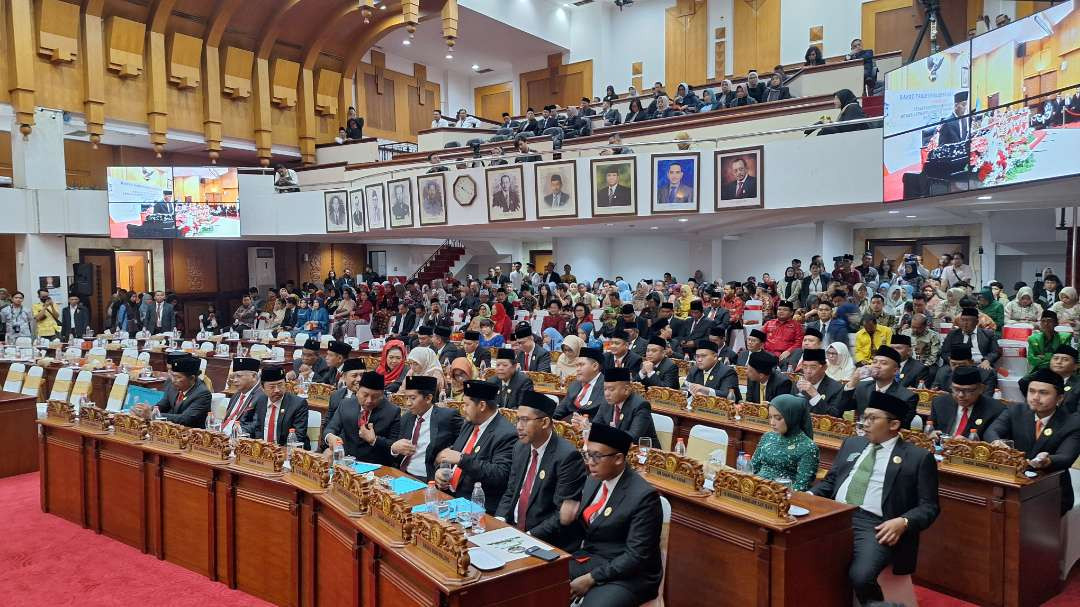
{"x": 76, "y": 318}
{"x": 160, "y": 316}
{"x": 894, "y": 484}
{"x": 16, "y": 319}
{"x": 127, "y": 315}
{"x": 46, "y": 315}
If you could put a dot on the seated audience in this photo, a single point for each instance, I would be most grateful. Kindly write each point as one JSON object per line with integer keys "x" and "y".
{"x": 787, "y": 453}
{"x": 776, "y": 91}
{"x": 755, "y": 87}
{"x": 813, "y": 56}
{"x": 742, "y": 97}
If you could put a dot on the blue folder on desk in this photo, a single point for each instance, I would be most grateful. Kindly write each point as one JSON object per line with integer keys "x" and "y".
{"x": 364, "y": 467}
{"x": 405, "y": 484}
{"x": 458, "y": 504}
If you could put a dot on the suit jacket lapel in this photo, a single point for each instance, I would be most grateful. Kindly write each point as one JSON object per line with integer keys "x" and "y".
{"x": 1057, "y": 420}
{"x": 545, "y": 462}
{"x": 891, "y": 469}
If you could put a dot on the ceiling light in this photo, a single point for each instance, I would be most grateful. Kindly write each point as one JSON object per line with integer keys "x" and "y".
{"x": 406, "y": 42}
{"x": 911, "y": 216}
{"x": 985, "y": 198}
{"x": 475, "y": 67}
{"x": 609, "y": 224}
{"x": 893, "y": 212}
{"x": 449, "y": 55}
{"x": 382, "y": 7}
{"x": 655, "y": 228}
{"x": 683, "y": 219}
{"x": 546, "y": 228}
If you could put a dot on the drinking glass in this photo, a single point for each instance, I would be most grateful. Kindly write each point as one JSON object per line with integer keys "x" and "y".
{"x": 644, "y": 444}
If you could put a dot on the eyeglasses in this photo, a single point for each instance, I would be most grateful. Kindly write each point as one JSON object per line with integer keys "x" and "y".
{"x": 869, "y": 419}
{"x": 964, "y": 391}
{"x": 594, "y": 457}
{"x": 522, "y": 419}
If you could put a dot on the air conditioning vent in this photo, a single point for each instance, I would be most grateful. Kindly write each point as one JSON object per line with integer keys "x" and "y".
{"x": 583, "y": 2}
{"x": 484, "y": 70}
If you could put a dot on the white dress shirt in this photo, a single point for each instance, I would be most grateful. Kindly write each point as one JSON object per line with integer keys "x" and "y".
{"x": 244, "y": 400}
{"x": 418, "y": 462}
{"x": 973, "y": 340}
{"x": 277, "y": 419}
{"x": 610, "y": 484}
{"x": 539, "y": 458}
{"x": 874, "y": 490}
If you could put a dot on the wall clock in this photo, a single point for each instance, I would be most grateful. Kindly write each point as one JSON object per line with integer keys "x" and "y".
{"x": 465, "y": 190}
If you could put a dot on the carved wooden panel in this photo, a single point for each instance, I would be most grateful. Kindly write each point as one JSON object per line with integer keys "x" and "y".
{"x": 185, "y": 58}
{"x": 58, "y": 30}
{"x": 326, "y": 89}
{"x": 283, "y": 75}
{"x": 380, "y": 112}
{"x": 236, "y": 72}
{"x": 125, "y": 39}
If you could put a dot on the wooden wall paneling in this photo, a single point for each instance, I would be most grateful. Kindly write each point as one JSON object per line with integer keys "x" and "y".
{"x": 326, "y": 88}
{"x": 756, "y": 44}
{"x": 157, "y": 95}
{"x": 85, "y": 165}
{"x": 561, "y": 84}
{"x": 636, "y": 71}
{"x": 686, "y": 39}
{"x": 283, "y": 78}
{"x": 492, "y": 100}
{"x": 9, "y": 277}
{"x": 5, "y": 45}
{"x": 194, "y": 266}
{"x": 93, "y": 74}
{"x": 126, "y": 41}
{"x": 57, "y": 31}
{"x": 20, "y": 61}
{"x": 185, "y": 59}
{"x": 870, "y": 11}
{"x": 236, "y": 72}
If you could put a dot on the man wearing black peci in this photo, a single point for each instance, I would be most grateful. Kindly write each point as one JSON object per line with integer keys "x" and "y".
{"x": 279, "y": 412}
{"x": 508, "y": 379}
{"x": 367, "y": 424}
{"x": 425, "y": 428}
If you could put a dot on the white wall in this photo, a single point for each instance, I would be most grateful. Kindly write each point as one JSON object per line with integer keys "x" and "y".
{"x": 541, "y": 18}
{"x": 835, "y": 238}
{"x": 636, "y": 257}
{"x": 767, "y": 251}
{"x": 841, "y": 22}
{"x": 403, "y": 260}
{"x": 637, "y": 35}
{"x": 721, "y": 14}
{"x": 589, "y": 257}
{"x": 39, "y": 255}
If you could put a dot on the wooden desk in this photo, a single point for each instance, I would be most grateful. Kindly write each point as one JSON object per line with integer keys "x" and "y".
{"x": 991, "y": 543}
{"x": 720, "y": 556}
{"x": 18, "y": 434}
{"x": 262, "y": 535}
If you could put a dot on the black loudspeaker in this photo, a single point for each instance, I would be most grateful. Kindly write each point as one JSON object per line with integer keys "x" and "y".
{"x": 84, "y": 279}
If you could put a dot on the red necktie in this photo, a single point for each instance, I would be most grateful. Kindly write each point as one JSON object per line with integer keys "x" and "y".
{"x": 272, "y": 426}
{"x": 526, "y": 361}
{"x": 581, "y": 395}
{"x": 236, "y": 410}
{"x": 526, "y": 490}
{"x": 180, "y": 397}
{"x": 468, "y": 449}
{"x": 364, "y": 414}
{"x": 415, "y": 437}
{"x": 963, "y": 422}
{"x": 615, "y": 418}
{"x": 591, "y": 512}
{"x": 1038, "y": 428}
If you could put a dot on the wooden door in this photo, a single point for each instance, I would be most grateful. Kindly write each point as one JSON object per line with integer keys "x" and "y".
{"x": 493, "y": 100}
{"x": 894, "y": 30}
{"x": 685, "y": 40}
{"x": 9, "y": 277}
{"x": 103, "y": 284}
{"x": 133, "y": 270}
{"x": 540, "y": 259}
{"x": 757, "y": 43}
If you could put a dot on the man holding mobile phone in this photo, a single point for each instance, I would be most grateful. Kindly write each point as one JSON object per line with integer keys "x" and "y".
{"x": 47, "y": 315}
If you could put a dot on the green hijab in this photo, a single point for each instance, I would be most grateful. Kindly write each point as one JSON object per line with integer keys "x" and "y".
{"x": 796, "y": 412}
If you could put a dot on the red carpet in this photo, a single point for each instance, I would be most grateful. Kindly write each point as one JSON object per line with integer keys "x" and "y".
{"x": 48, "y": 561}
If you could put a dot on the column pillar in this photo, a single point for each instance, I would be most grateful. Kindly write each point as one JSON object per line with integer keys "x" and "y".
{"x": 38, "y": 256}
{"x": 37, "y": 163}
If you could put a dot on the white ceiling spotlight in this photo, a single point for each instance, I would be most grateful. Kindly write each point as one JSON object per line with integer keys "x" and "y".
{"x": 406, "y": 42}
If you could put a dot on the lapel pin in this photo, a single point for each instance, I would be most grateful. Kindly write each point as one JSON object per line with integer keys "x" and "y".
{"x": 1067, "y": 388}
{"x": 901, "y": 375}
{"x": 791, "y": 447}
{"x": 543, "y": 473}
{"x": 1048, "y": 432}
{"x": 896, "y": 459}
{"x": 607, "y": 511}
{"x": 852, "y": 457}
{"x": 978, "y": 422}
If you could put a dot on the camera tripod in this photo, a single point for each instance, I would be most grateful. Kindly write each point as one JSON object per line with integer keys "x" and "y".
{"x": 932, "y": 21}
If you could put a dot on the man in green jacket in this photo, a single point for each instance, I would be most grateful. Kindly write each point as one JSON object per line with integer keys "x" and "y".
{"x": 1043, "y": 343}
{"x": 989, "y": 305}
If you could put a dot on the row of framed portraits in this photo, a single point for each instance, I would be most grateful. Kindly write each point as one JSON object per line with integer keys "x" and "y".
{"x": 612, "y": 190}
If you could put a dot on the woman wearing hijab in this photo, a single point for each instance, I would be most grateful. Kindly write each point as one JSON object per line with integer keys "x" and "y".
{"x": 789, "y": 451}
{"x": 775, "y": 89}
{"x": 708, "y": 102}
{"x": 989, "y": 305}
{"x": 501, "y": 321}
{"x": 741, "y": 97}
{"x": 460, "y": 371}
{"x": 791, "y": 287}
{"x": 567, "y": 363}
{"x": 420, "y": 361}
{"x": 552, "y": 339}
{"x": 586, "y": 334}
{"x": 726, "y": 95}
{"x": 685, "y": 99}
{"x": 624, "y": 290}
{"x": 610, "y": 94}
{"x": 850, "y": 109}
{"x": 838, "y": 358}
{"x": 483, "y": 312}
{"x": 682, "y": 304}
{"x": 1023, "y": 308}
{"x": 895, "y": 298}
{"x": 950, "y": 308}
{"x": 391, "y": 361}
{"x": 1066, "y": 307}
{"x": 911, "y": 275}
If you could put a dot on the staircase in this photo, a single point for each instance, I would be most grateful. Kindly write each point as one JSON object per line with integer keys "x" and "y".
{"x": 440, "y": 262}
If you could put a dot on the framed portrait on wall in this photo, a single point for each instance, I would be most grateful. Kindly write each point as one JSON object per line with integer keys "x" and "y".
{"x": 356, "y": 210}
{"x": 505, "y": 201}
{"x": 556, "y": 189}
{"x": 676, "y": 182}
{"x": 431, "y": 190}
{"x": 740, "y": 178}
{"x": 374, "y": 196}
{"x": 614, "y": 186}
{"x": 400, "y": 199}
{"x": 337, "y": 212}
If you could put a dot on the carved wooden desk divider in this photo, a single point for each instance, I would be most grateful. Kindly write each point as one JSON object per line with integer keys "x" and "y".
{"x": 60, "y": 412}
{"x": 319, "y": 394}
{"x": 259, "y": 456}
{"x": 918, "y": 439}
{"x": 309, "y": 470}
{"x": 835, "y": 428}
{"x": 679, "y": 473}
{"x": 985, "y": 459}
{"x": 350, "y": 490}
{"x": 637, "y": 388}
{"x": 712, "y": 405}
{"x": 666, "y": 397}
{"x": 511, "y": 415}
{"x": 209, "y": 446}
{"x": 456, "y": 405}
{"x": 391, "y": 513}
{"x": 753, "y": 413}
{"x": 543, "y": 380}
{"x": 442, "y": 544}
{"x": 94, "y": 420}
{"x": 567, "y": 430}
{"x": 169, "y": 436}
{"x": 752, "y": 495}
{"x": 129, "y": 427}
{"x": 400, "y": 400}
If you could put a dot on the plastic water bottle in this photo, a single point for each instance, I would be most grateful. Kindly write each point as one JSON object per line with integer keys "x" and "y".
{"x": 431, "y": 498}
{"x": 680, "y": 448}
{"x": 292, "y": 442}
{"x": 928, "y": 428}
{"x": 478, "y": 501}
{"x": 339, "y": 452}
{"x": 973, "y": 435}
{"x": 741, "y": 464}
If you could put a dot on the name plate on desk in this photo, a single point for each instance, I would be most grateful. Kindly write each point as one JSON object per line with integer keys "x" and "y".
{"x": 309, "y": 470}
{"x": 130, "y": 427}
{"x": 319, "y": 394}
{"x": 754, "y": 413}
{"x": 985, "y": 459}
{"x": 60, "y": 412}
{"x": 350, "y": 490}
{"x": 93, "y": 419}
{"x": 208, "y": 445}
{"x": 680, "y": 473}
{"x": 442, "y": 544}
{"x": 751, "y": 494}
{"x": 544, "y": 380}
{"x": 836, "y": 428}
{"x": 169, "y": 436}
{"x": 259, "y": 456}
{"x": 712, "y": 405}
{"x": 918, "y": 439}
{"x": 392, "y": 514}
{"x": 666, "y": 397}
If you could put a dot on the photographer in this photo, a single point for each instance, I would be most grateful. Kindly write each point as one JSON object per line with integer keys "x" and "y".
{"x": 18, "y": 320}
{"x": 46, "y": 315}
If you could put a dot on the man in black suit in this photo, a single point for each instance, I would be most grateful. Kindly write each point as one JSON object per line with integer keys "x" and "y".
{"x": 711, "y": 377}
{"x": 279, "y": 412}
{"x": 336, "y": 354}
{"x": 310, "y": 365}
{"x": 755, "y": 342}
{"x": 629, "y": 319}
{"x": 440, "y": 342}
{"x": 425, "y": 429}
{"x": 508, "y": 379}
{"x": 613, "y": 194}
{"x": 248, "y": 394}
{"x": 965, "y": 407}
{"x": 160, "y": 316}
{"x": 695, "y": 328}
{"x": 483, "y": 451}
{"x": 986, "y": 351}
{"x": 479, "y": 357}
{"x": 584, "y": 395}
{"x": 351, "y": 370}
{"x": 620, "y": 518}
{"x": 404, "y": 322}
{"x": 955, "y": 128}
{"x": 911, "y": 370}
{"x": 624, "y": 409}
{"x": 764, "y": 381}
{"x": 1048, "y": 435}
{"x": 657, "y": 369}
{"x": 1064, "y": 363}
{"x": 744, "y": 185}
{"x": 74, "y": 319}
{"x": 636, "y": 343}
{"x": 895, "y": 486}
{"x": 366, "y": 424}
{"x": 883, "y": 368}
{"x": 960, "y": 356}
{"x": 620, "y": 355}
{"x": 812, "y": 340}
{"x": 717, "y": 313}
{"x": 530, "y": 357}
{"x": 546, "y": 476}
{"x": 821, "y": 391}
{"x": 718, "y": 335}
{"x": 506, "y": 198}
{"x": 186, "y": 401}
